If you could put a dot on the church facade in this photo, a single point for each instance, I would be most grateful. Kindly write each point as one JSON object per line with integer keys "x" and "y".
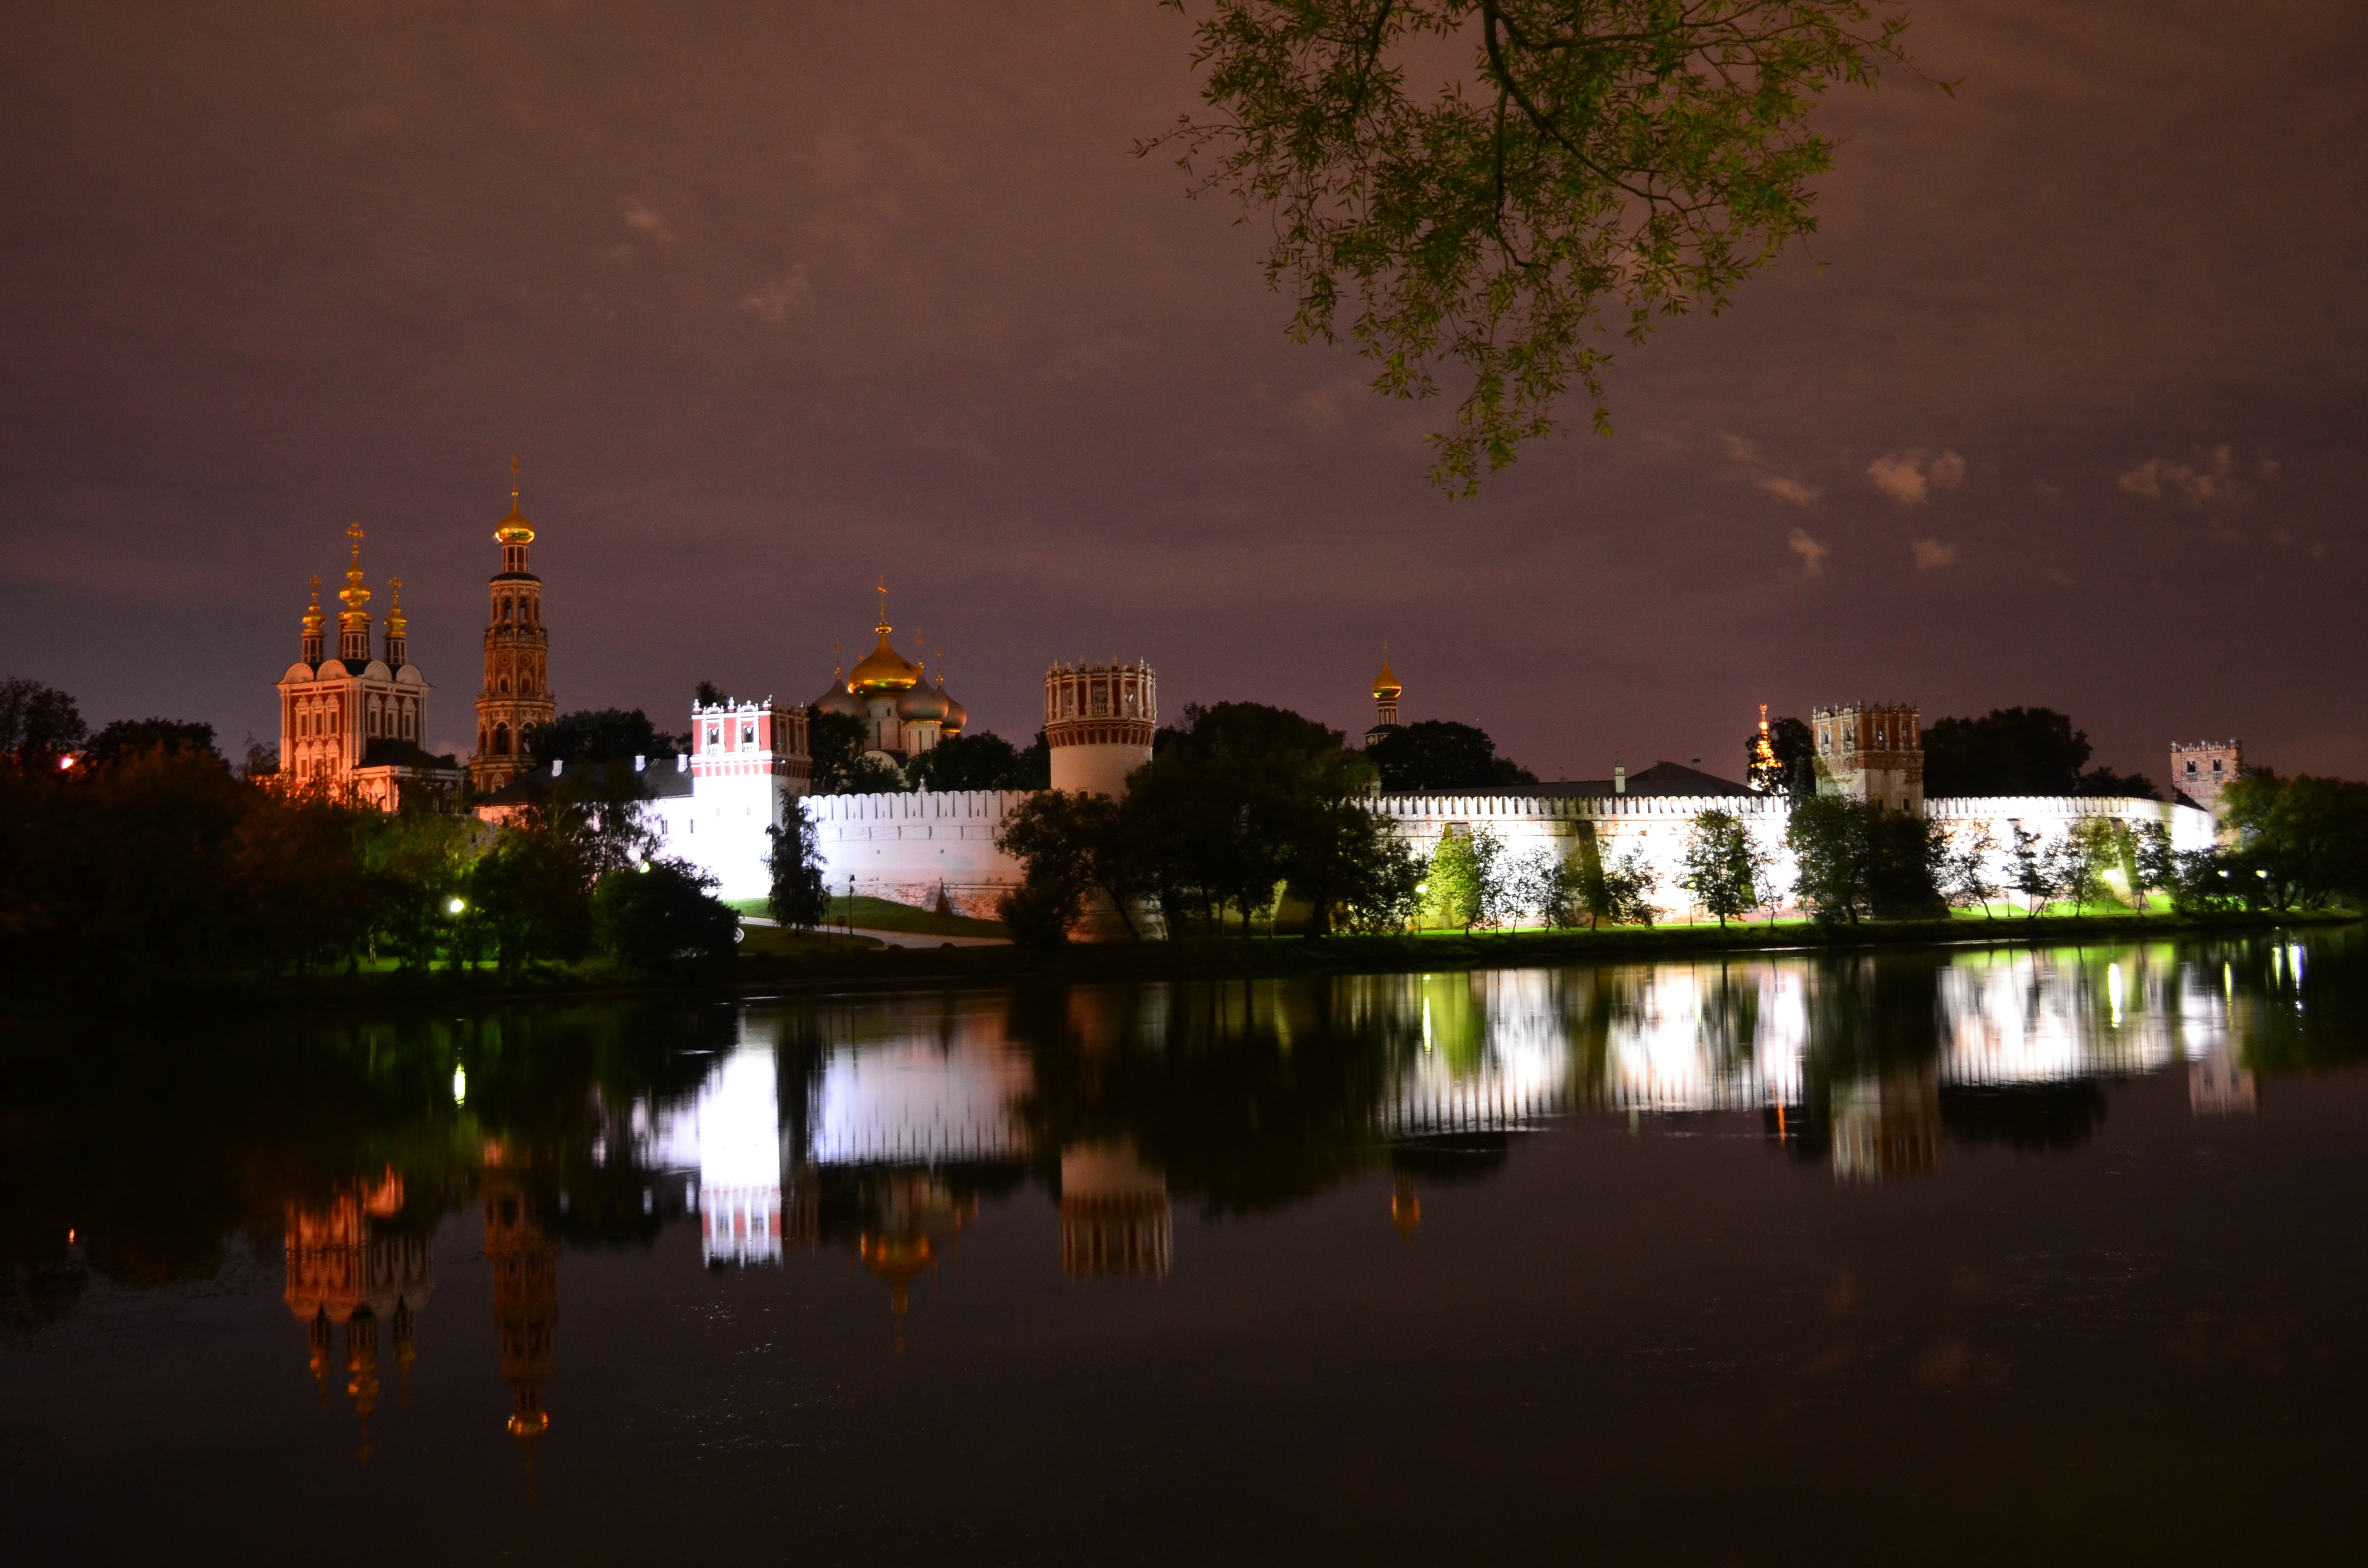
{"x": 353, "y": 725}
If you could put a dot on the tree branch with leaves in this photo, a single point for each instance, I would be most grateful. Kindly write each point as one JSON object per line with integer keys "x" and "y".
{"x": 1509, "y": 188}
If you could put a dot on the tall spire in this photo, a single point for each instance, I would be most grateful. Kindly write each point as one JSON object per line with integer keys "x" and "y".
{"x": 883, "y": 628}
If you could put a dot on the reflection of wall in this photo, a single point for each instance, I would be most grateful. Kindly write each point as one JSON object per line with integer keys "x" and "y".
{"x": 1114, "y": 1217}
{"x": 345, "y": 1270}
{"x": 1887, "y": 1126}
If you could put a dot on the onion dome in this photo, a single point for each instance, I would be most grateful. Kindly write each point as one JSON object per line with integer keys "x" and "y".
{"x": 1385, "y": 685}
{"x": 514, "y": 528}
{"x": 924, "y": 704}
{"x": 957, "y": 716}
{"x": 883, "y": 672}
{"x": 836, "y": 698}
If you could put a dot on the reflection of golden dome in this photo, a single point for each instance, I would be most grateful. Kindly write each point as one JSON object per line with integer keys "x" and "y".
{"x": 883, "y": 672}
{"x": 1385, "y": 685}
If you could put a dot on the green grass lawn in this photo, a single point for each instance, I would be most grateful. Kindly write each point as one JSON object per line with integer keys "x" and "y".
{"x": 882, "y": 914}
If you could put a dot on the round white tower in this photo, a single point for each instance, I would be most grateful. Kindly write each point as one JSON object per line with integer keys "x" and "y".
{"x": 1098, "y": 720}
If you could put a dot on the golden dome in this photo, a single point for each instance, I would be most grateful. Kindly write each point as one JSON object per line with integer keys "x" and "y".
{"x": 883, "y": 672}
{"x": 1385, "y": 685}
{"x": 514, "y": 528}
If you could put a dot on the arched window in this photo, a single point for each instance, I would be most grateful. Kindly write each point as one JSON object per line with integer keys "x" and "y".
{"x": 501, "y": 740}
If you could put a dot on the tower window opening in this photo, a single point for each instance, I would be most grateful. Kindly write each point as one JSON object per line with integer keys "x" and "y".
{"x": 501, "y": 740}
{"x": 715, "y": 738}
{"x": 747, "y": 737}
{"x": 2215, "y": 764}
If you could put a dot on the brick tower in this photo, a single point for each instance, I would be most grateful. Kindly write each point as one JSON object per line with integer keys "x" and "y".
{"x": 516, "y": 696}
{"x": 1098, "y": 720}
{"x": 1871, "y": 751}
{"x": 2202, "y": 770}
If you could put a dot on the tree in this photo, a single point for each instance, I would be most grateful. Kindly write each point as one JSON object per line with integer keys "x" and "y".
{"x": 1722, "y": 866}
{"x": 2034, "y": 869}
{"x": 417, "y": 863}
{"x": 1381, "y": 890}
{"x": 137, "y": 737}
{"x": 1074, "y": 845}
{"x": 1457, "y": 881}
{"x": 2301, "y": 841}
{"x": 983, "y": 761}
{"x": 798, "y": 898}
{"x": 531, "y": 891}
{"x": 837, "y": 741}
{"x": 1622, "y": 892}
{"x": 662, "y": 917}
{"x": 2157, "y": 863}
{"x": 1496, "y": 185}
{"x": 1437, "y": 757}
{"x": 600, "y": 735}
{"x": 2017, "y": 751}
{"x": 2091, "y": 848}
{"x": 1965, "y": 870}
{"x": 1240, "y": 798}
{"x": 1859, "y": 861}
{"x": 39, "y": 724}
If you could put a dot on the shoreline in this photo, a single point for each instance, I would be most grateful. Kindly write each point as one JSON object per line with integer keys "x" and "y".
{"x": 1263, "y": 958}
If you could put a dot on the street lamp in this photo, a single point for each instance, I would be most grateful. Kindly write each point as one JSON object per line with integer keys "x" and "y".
{"x": 454, "y": 907}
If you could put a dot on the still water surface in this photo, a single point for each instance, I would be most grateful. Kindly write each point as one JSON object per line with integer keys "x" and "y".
{"x": 1949, "y": 1255}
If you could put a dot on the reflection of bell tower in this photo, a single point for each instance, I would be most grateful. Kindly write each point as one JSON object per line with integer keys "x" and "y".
{"x": 1406, "y": 1207}
{"x": 526, "y": 1297}
{"x": 1114, "y": 1216}
{"x": 347, "y": 1268}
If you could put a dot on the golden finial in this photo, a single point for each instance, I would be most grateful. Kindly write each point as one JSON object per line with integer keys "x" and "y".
{"x": 1385, "y": 685}
{"x": 883, "y": 628}
{"x": 354, "y": 594}
{"x": 314, "y": 619}
{"x": 514, "y": 528}
{"x": 394, "y": 617}
{"x": 514, "y": 480}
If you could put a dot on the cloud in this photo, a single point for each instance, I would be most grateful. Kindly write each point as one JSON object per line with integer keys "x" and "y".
{"x": 2215, "y": 482}
{"x": 1932, "y": 554}
{"x": 778, "y": 302}
{"x": 1791, "y": 490}
{"x": 645, "y": 222}
{"x": 1813, "y": 554}
{"x": 1740, "y": 450}
{"x": 1911, "y": 476}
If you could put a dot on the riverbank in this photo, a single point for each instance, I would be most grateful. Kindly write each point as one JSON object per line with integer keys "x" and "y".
{"x": 825, "y": 960}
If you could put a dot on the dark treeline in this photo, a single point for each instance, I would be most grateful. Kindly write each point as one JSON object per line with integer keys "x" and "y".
{"x": 1237, "y": 802}
{"x": 2008, "y": 751}
{"x": 149, "y": 861}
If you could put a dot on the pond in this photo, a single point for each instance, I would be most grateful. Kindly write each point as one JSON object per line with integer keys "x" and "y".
{"x": 1954, "y": 1254}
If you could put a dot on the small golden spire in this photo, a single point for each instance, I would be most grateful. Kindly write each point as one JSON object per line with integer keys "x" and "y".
{"x": 514, "y": 528}
{"x": 883, "y": 628}
{"x": 513, "y": 482}
{"x": 1385, "y": 685}
{"x": 395, "y": 621}
{"x": 313, "y": 619}
{"x": 355, "y": 593}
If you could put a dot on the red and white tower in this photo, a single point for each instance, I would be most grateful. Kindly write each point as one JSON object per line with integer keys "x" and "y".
{"x": 1098, "y": 720}
{"x": 517, "y": 693}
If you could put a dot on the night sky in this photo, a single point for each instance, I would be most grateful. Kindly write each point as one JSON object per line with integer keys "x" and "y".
{"x": 2061, "y": 407}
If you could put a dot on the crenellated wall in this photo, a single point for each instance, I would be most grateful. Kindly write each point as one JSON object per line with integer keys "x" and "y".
{"x": 905, "y": 847}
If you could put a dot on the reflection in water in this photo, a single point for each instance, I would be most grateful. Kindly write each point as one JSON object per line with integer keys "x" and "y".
{"x": 349, "y": 1267}
{"x": 525, "y": 1265}
{"x": 877, "y": 1127}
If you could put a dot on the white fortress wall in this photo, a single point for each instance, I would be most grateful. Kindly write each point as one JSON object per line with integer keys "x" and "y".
{"x": 1656, "y": 826}
{"x": 720, "y": 828}
{"x": 905, "y": 848}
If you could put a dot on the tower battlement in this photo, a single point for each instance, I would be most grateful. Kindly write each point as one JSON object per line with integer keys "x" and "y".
{"x": 1870, "y": 750}
{"x": 2200, "y": 769}
{"x": 1098, "y": 721}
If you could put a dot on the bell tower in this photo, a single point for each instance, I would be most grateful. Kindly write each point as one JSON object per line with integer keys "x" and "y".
{"x": 516, "y": 696}
{"x": 1099, "y": 722}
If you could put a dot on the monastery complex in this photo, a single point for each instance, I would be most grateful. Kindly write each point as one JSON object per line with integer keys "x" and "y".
{"x": 356, "y": 722}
